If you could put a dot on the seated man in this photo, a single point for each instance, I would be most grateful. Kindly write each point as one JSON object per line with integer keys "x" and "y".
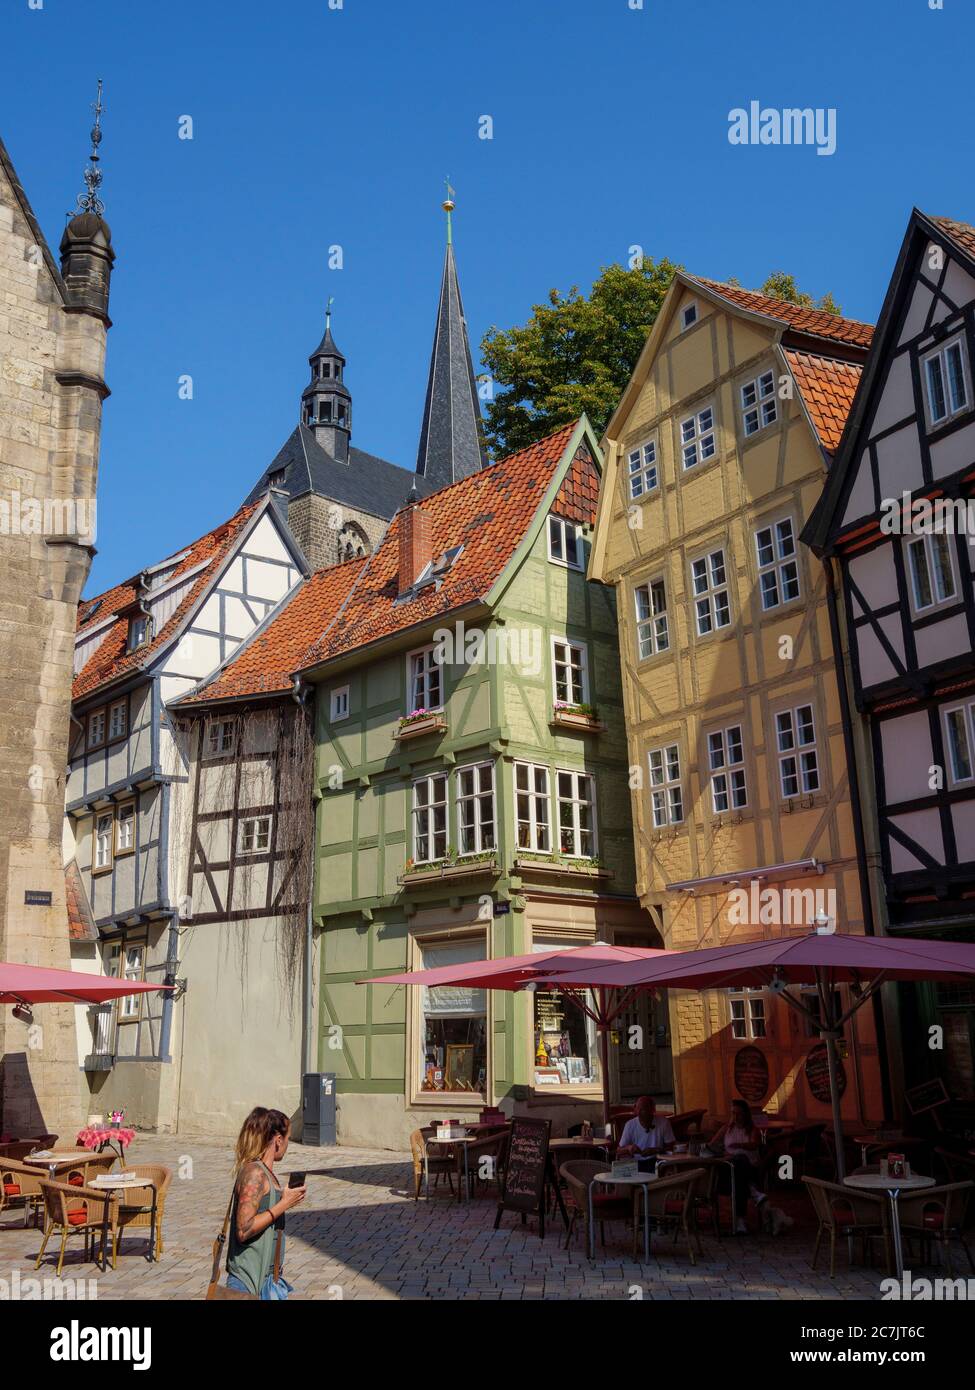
{"x": 645, "y": 1135}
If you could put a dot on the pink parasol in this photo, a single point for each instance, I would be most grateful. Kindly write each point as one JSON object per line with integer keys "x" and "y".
{"x": 38, "y": 984}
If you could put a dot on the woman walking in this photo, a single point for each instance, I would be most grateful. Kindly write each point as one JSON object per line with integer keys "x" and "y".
{"x": 256, "y": 1254}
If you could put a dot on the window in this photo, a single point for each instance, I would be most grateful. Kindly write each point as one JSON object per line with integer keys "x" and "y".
{"x": 426, "y": 681}
{"x": 576, "y": 815}
{"x": 430, "y": 818}
{"x": 946, "y": 382}
{"x": 688, "y": 315}
{"x": 642, "y": 463}
{"x": 795, "y": 734}
{"x": 569, "y": 672}
{"x": 475, "y": 808}
{"x": 96, "y": 728}
{"x": 219, "y": 737}
{"x": 652, "y": 630}
{"x": 453, "y": 1024}
{"x": 959, "y": 729}
{"x": 932, "y": 571}
{"x": 117, "y": 720}
{"x": 129, "y": 1007}
{"x": 140, "y": 631}
{"x": 726, "y": 762}
{"x": 564, "y": 543}
{"x": 747, "y": 1008}
{"x": 339, "y": 704}
{"x": 104, "y": 823}
{"x": 255, "y": 835}
{"x": 709, "y": 582}
{"x": 697, "y": 437}
{"x": 666, "y": 795}
{"x": 758, "y": 407}
{"x": 564, "y": 1050}
{"x": 532, "y": 811}
{"x": 778, "y": 566}
{"x": 125, "y": 828}
{"x": 325, "y": 410}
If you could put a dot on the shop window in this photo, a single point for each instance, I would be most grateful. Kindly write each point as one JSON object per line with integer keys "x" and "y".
{"x": 453, "y": 1024}
{"x": 566, "y": 1053}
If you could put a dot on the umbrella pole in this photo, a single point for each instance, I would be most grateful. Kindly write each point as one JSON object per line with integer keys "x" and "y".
{"x": 830, "y": 1030}
{"x": 603, "y": 1030}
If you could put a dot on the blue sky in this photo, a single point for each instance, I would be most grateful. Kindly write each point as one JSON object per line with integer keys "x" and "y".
{"x": 315, "y": 127}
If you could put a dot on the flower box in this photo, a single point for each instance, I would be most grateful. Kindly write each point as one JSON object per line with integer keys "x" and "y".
{"x": 447, "y": 870}
{"x": 421, "y": 723}
{"x": 568, "y": 868}
{"x": 584, "y": 717}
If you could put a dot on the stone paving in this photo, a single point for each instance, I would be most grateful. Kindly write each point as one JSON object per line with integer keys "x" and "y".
{"x": 360, "y": 1235}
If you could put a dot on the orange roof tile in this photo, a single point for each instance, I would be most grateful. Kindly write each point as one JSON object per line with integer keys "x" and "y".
{"x": 816, "y": 322}
{"x": 81, "y": 923}
{"x": 111, "y": 659}
{"x": 828, "y": 387}
{"x": 960, "y": 232}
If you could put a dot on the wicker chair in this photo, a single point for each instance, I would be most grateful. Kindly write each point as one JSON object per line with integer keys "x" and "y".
{"x": 77, "y": 1211}
{"x": 136, "y": 1208}
{"x": 855, "y": 1215}
{"x": 705, "y": 1208}
{"x": 19, "y": 1182}
{"x": 937, "y": 1214}
{"x": 671, "y": 1206}
{"x": 427, "y": 1165}
{"x": 493, "y": 1147}
{"x": 607, "y": 1206}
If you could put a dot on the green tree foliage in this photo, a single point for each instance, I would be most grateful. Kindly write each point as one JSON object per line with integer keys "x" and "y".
{"x": 779, "y": 285}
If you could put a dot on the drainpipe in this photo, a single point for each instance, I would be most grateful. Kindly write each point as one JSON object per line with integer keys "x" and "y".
{"x": 859, "y": 837}
{"x": 300, "y": 692}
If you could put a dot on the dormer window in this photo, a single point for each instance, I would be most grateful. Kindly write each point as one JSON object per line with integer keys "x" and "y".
{"x": 140, "y": 631}
{"x": 946, "y": 382}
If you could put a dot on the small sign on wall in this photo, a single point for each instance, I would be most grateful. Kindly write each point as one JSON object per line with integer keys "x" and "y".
{"x": 35, "y": 897}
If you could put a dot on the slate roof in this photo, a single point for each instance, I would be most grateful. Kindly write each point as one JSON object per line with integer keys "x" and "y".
{"x": 828, "y": 386}
{"x": 816, "y": 323}
{"x": 366, "y": 483}
{"x": 111, "y": 660}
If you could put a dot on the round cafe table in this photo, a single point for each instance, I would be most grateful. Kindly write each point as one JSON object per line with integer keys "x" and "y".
{"x": 876, "y": 1182}
{"x": 101, "y": 1137}
{"x": 884, "y": 1145}
{"x": 117, "y": 1183}
{"x": 610, "y": 1179}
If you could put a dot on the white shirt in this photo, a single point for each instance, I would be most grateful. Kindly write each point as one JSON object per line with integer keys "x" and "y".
{"x": 659, "y": 1134}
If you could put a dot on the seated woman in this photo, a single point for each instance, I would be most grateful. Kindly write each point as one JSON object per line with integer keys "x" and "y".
{"x": 741, "y": 1142}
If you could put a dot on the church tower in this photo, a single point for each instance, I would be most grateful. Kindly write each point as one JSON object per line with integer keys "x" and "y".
{"x": 326, "y": 404}
{"x": 451, "y": 440}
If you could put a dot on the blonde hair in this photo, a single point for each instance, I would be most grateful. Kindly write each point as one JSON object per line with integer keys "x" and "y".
{"x": 256, "y": 1133}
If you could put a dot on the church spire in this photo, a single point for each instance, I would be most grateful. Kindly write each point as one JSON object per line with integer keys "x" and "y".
{"x": 451, "y": 445}
{"x": 326, "y": 405}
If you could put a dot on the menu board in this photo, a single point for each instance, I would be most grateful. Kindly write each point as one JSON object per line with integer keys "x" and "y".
{"x": 524, "y": 1179}
{"x": 927, "y": 1096}
{"x": 817, "y": 1073}
{"x": 751, "y": 1074}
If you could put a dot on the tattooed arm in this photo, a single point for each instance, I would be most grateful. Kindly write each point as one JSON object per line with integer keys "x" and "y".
{"x": 252, "y": 1184}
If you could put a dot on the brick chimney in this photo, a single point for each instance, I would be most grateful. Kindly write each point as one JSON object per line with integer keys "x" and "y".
{"x": 415, "y": 546}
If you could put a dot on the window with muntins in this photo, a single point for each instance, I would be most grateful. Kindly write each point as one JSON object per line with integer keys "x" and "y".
{"x": 569, "y": 672}
{"x": 475, "y": 808}
{"x": 564, "y": 543}
{"x": 430, "y": 818}
{"x": 652, "y": 627}
{"x": 426, "y": 681}
{"x": 576, "y": 814}
{"x": 697, "y": 437}
{"x": 666, "y": 793}
{"x": 747, "y": 1007}
{"x": 709, "y": 582}
{"x": 932, "y": 571}
{"x": 532, "y": 808}
{"x": 778, "y": 565}
{"x": 255, "y": 835}
{"x": 758, "y": 404}
{"x": 726, "y": 762}
{"x": 96, "y": 728}
{"x": 959, "y": 725}
{"x": 642, "y": 465}
{"x": 795, "y": 735}
{"x": 946, "y": 382}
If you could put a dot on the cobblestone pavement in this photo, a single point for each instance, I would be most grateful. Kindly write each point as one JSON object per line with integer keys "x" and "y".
{"x": 359, "y": 1234}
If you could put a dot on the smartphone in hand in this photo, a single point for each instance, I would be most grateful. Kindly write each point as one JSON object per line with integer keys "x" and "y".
{"x": 296, "y": 1179}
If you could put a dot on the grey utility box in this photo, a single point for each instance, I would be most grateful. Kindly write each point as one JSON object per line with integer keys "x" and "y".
{"x": 318, "y": 1108}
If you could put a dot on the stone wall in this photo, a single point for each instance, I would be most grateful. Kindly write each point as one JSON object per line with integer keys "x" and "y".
{"x": 316, "y": 523}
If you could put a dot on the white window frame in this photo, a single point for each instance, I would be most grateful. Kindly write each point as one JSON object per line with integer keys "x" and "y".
{"x": 539, "y": 827}
{"x": 926, "y": 546}
{"x": 759, "y": 404}
{"x": 130, "y": 1005}
{"x": 142, "y": 622}
{"x": 338, "y": 704}
{"x": 967, "y": 712}
{"x": 778, "y": 564}
{"x": 560, "y": 527}
{"x": 642, "y": 469}
{"x": 574, "y": 670}
{"x": 423, "y": 667}
{"x": 666, "y": 786}
{"x": 797, "y": 751}
{"x": 249, "y": 829}
{"x": 580, "y": 780}
{"x": 473, "y": 798}
{"x": 689, "y": 316}
{"x": 698, "y": 441}
{"x": 707, "y": 600}
{"x": 124, "y": 817}
{"x": 118, "y": 727}
{"x": 753, "y": 1019}
{"x": 217, "y": 742}
{"x": 653, "y": 625}
{"x": 96, "y": 728}
{"x": 729, "y": 781}
{"x": 429, "y": 807}
{"x": 102, "y": 841}
{"x": 940, "y": 355}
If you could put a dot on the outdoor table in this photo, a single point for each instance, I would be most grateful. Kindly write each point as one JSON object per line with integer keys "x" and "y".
{"x": 576, "y": 1141}
{"x": 885, "y": 1145}
{"x": 54, "y": 1160}
{"x": 121, "y": 1181}
{"x": 101, "y": 1137}
{"x": 610, "y": 1179}
{"x": 463, "y": 1140}
{"x": 893, "y": 1187}
{"x": 708, "y": 1161}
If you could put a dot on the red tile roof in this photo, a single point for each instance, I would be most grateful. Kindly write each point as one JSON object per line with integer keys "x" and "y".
{"x": 111, "y": 659}
{"x": 816, "y": 322}
{"x": 827, "y": 387}
{"x": 81, "y": 923}
{"x": 960, "y": 232}
{"x": 264, "y": 665}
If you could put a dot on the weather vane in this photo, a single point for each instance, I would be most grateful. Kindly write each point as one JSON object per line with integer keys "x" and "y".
{"x": 89, "y": 201}
{"x": 328, "y": 310}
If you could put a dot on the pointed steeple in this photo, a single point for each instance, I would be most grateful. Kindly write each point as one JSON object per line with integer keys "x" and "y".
{"x": 451, "y": 443}
{"x": 326, "y": 404}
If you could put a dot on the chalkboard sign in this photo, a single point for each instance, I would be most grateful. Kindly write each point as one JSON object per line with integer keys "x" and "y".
{"x": 928, "y": 1096}
{"x": 817, "y": 1074}
{"x": 524, "y": 1178}
{"x": 751, "y": 1074}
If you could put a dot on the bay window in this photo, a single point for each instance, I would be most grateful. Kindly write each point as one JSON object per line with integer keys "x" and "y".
{"x": 532, "y": 808}
{"x": 577, "y": 834}
{"x": 475, "y": 808}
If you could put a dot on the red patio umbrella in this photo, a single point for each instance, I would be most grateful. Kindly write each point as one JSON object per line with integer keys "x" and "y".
{"x": 521, "y": 972}
{"x": 38, "y": 984}
{"x": 822, "y": 959}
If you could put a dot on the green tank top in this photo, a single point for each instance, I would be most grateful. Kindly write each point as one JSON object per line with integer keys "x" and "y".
{"x": 253, "y": 1260}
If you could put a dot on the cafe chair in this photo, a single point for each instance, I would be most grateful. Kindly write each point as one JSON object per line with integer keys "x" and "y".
{"x": 683, "y": 1123}
{"x": 95, "y": 1165}
{"x": 77, "y": 1211}
{"x": 492, "y": 1147}
{"x": 607, "y": 1206}
{"x": 958, "y": 1167}
{"x": 672, "y": 1207}
{"x": 437, "y": 1164}
{"x": 852, "y": 1215}
{"x": 937, "y": 1215}
{"x": 135, "y": 1211}
{"x": 707, "y": 1195}
{"x": 806, "y": 1147}
{"x": 19, "y": 1182}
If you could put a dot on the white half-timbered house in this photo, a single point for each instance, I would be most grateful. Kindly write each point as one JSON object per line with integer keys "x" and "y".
{"x": 895, "y": 518}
